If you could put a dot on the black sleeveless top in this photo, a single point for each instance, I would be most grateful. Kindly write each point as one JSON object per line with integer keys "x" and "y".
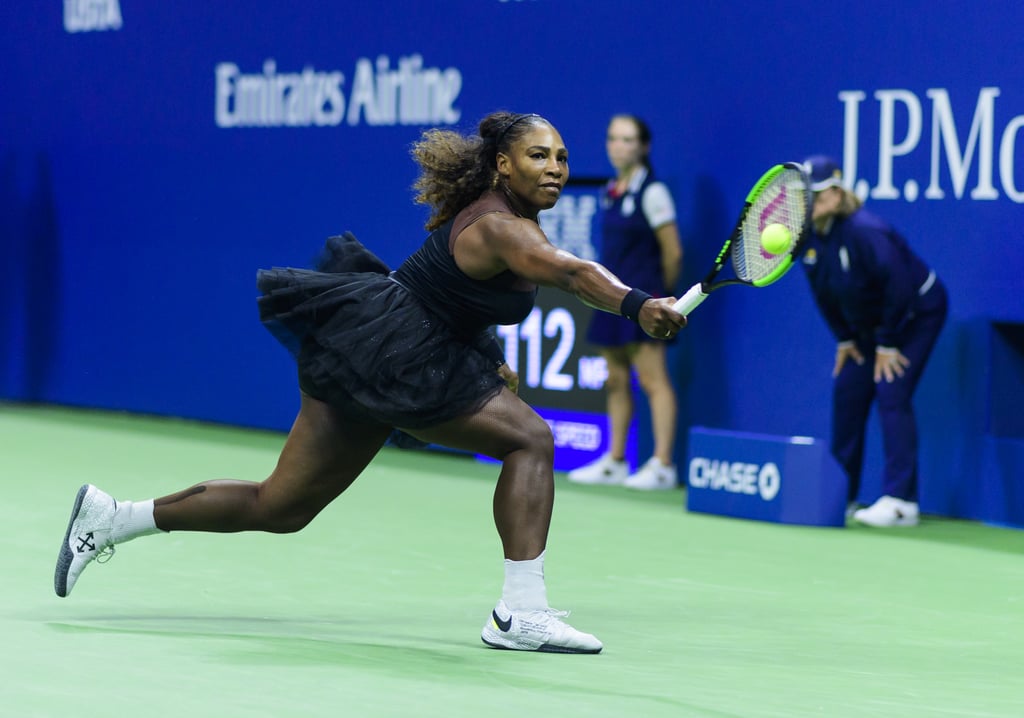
{"x": 467, "y": 305}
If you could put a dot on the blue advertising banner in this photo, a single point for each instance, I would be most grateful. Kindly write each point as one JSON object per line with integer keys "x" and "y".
{"x": 789, "y": 480}
{"x": 153, "y": 156}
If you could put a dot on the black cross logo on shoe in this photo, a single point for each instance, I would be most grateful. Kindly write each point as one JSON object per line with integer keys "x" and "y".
{"x": 86, "y": 543}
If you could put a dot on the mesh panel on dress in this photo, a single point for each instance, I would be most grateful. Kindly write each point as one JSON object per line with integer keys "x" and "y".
{"x": 370, "y": 348}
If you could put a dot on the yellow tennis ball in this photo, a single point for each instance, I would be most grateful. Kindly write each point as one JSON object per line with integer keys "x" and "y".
{"x": 775, "y": 238}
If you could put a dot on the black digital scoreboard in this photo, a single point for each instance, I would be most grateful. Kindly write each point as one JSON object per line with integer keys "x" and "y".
{"x": 557, "y": 367}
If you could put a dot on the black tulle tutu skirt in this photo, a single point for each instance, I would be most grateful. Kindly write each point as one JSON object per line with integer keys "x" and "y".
{"x": 369, "y": 348}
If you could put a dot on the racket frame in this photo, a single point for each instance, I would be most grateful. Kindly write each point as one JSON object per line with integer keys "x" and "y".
{"x": 700, "y": 291}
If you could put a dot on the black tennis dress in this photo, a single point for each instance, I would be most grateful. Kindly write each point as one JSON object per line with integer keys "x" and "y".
{"x": 409, "y": 348}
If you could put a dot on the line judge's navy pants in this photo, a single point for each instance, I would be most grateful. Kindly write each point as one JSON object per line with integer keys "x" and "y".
{"x": 854, "y": 390}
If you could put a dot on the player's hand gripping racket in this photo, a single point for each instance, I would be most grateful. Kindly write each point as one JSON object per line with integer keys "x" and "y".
{"x": 781, "y": 196}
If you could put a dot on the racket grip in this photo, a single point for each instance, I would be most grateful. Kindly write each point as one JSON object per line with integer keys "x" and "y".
{"x": 691, "y": 300}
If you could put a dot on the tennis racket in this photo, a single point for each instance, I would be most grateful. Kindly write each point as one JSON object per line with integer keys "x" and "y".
{"x": 783, "y": 196}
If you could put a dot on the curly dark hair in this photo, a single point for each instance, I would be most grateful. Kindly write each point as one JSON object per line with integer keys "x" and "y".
{"x": 455, "y": 169}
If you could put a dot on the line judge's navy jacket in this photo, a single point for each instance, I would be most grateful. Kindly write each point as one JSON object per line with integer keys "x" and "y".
{"x": 866, "y": 280}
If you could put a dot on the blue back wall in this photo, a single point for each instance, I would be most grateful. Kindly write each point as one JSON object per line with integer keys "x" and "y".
{"x": 147, "y": 171}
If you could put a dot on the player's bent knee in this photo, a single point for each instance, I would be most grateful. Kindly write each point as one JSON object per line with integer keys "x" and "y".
{"x": 537, "y": 438}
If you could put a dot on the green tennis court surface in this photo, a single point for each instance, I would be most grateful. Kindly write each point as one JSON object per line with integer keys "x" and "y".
{"x": 376, "y": 608}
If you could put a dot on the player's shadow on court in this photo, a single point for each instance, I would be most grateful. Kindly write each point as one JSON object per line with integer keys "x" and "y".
{"x": 284, "y": 641}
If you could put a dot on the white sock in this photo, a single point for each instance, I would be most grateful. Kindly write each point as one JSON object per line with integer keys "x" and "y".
{"x": 524, "y": 588}
{"x": 133, "y": 519}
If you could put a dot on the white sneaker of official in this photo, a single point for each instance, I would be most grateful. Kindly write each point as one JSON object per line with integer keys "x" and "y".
{"x": 653, "y": 476}
{"x": 888, "y": 511}
{"x": 537, "y": 630}
{"x": 604, "y": 470}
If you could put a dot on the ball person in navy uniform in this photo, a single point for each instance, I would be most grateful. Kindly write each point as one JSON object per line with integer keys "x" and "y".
{"x": 886, "y": 307}
{"x": 411, "y": 350}
{"x": 639, "y": 241}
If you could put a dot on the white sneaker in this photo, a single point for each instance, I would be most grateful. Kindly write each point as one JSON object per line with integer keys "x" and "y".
{"x": 653, "y": 476}
{"x": 87, "y": 537}
{"x": 605, "y": 470}
{"x": 541, "y": 630}
{"x": 888, "y": 511}
{"x": 852, "y": 508}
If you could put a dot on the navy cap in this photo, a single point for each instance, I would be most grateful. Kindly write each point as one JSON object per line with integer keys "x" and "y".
{"x": 823, "y": 171}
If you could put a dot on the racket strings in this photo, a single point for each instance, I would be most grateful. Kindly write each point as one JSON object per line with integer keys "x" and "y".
{"x": 784, "y": 200}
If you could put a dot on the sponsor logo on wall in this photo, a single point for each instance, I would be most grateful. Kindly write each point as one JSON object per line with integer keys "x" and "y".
{"x": 377, "y": 93}
{"x": 968, "y": 157}
{"x": 92, "y": 15}
{"x": 735, "y": 477}
{"x": 578, "y": 435}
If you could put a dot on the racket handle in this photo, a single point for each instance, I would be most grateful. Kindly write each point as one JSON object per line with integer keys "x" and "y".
{"x": 691, "y": 300}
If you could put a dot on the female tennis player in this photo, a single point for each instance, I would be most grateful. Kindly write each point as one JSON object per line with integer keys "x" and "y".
{"x": 411, "y": 350}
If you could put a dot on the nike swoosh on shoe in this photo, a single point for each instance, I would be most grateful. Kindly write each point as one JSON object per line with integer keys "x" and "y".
{"x": 503, "y": 626}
